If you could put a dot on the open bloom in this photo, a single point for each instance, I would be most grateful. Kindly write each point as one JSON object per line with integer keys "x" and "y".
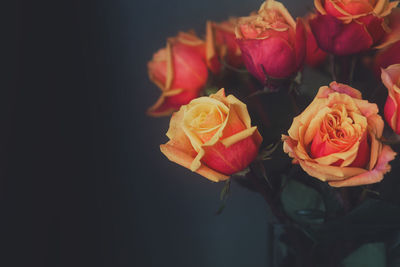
{"x": 337, "y": 138}
{"x": 212, "y": 136}
{"x": 391, "y": 79}
{"x": 273, "y": 44}
{"x": 352, "y": 26}
{"x": 180, "y": 71}
{"x": 221, "y": 39}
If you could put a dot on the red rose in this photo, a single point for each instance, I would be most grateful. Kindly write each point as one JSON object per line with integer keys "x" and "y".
{"x": 315, "y": 56}
{"x": 273, "y": 44}
{"x": 180, "y": 71}
{"x": 351, "y": 26}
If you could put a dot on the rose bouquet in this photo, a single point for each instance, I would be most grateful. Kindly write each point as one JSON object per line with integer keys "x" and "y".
{"x": 304, "y": 112}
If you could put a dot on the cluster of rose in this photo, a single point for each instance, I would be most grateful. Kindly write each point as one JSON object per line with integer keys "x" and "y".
{"x": 335, "y": 139}
{"x": 338, "y": 138}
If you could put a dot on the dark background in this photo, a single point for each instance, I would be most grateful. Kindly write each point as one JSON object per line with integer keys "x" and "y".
{"x": 82, "y": 180}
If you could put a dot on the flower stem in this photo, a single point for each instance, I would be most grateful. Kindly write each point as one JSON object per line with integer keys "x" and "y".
{"x": 332, "y": 66}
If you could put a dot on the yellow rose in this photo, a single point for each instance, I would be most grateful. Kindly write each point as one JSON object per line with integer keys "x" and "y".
{"x": 212, "y": 136}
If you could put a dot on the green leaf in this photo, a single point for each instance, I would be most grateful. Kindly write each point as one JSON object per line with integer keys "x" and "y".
{"x": 368, "y": 255}
{"x": 225, "y": 190}
{"x": 266, "y": 153}
{"x": 221, "y": 208}
{"x": 259, "y": 170}
{"x": 241, "y": 173}
{"x": 302, "y": 203}
{"x": 224, "y": 196}
{"x": 210, "y": 90}
{"x": 372, "y": 220}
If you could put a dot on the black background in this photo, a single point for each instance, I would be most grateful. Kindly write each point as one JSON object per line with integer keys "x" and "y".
{"x": 82, "y": 180}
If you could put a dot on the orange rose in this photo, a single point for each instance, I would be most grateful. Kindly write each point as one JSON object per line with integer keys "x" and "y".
{"x": 391, "y": 79}
{"x": 336, "y": 138}
{"x": 180, "y": 71}
{"x": 212, "y": 136}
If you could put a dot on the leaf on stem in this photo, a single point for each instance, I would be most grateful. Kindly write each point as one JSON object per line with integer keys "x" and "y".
{"x": 224, "y": 196}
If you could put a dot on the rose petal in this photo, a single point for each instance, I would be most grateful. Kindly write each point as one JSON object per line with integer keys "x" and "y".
{"x": 180, "y": 157}
{"x": 340, "y": 39}
{"x": 273, "y": 55}
{"x": 391, "y": 75}
{"x": 190, "y": 70}
{"x": 169, "y": 102}
{"x": 373, "y": 176}
{"x": 391, "y": 112}
{"x": 236, "y": 157}
{"x": 374, "y": 26}
{"x": 300, "y": 44}
{"x": 387, "y": 57}
{"x": 394, "y": 25}
{"x": 343, "y": 89}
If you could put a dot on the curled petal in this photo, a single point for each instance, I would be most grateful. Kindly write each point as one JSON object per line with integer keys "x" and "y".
{"x": 185, "y": 160}
{"x": 170, "y": 101}
{"x": 391, "y": 75}
{"x": 373, "y": 176}
{"x": 393, "y": 34}
{"x": 180, "y": 71}
{"x": 325, "y": 91}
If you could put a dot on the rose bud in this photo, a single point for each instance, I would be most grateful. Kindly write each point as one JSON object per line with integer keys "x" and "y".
{"x": 351, "y": 26}
{"x": 212, "y": 136}
{"x": 391, "y": 79}
{"x": 180, "y": 71}
{"x": 221, "y": 38}
{"x": 315, "y": 56}
{"x": 337, "y": 138}
{"x": 273, "y": 44}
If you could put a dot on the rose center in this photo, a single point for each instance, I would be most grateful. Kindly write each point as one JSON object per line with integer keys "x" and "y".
{"x": 206, "y": 120}
{"x": 271, "y": 19}
{"x": 338, "y": 132}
